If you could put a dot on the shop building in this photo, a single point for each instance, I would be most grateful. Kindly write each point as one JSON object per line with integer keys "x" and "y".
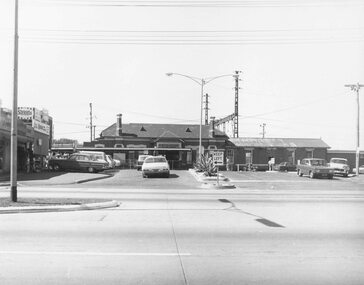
{"x": 34, "y": 138}
{"x": 42, "y": 125}
{"x": 24, "y": 139}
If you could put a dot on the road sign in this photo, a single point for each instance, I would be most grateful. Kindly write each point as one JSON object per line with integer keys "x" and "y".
{"x": 218, "y": 157}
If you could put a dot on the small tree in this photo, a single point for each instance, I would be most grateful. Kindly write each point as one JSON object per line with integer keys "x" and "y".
{"x": 206, "y": 165}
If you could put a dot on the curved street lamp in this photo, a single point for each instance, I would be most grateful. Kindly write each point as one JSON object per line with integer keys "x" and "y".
{"x": 202, "y": 82}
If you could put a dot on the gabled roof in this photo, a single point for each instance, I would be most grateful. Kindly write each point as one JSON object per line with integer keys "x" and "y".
{"x": 182, "y": 131}
{"x": 279, "y": 142}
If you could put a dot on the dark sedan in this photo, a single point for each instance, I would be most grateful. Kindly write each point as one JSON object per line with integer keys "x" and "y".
{"x": 285, "y": 166}
{"x": 78, "y": 162}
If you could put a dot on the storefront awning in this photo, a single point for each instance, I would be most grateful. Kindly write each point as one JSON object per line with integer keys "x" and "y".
{"x": 115, "y": 149}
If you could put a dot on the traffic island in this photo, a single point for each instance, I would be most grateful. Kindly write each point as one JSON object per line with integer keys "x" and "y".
{"x": 38, "y": 205}
{"x": 218, "y": 181}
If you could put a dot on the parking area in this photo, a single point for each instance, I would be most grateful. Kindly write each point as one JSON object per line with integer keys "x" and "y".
{"x": 290, "y": 180}
{"x": 182, "y": 179}
{"x": 132, "y": 178}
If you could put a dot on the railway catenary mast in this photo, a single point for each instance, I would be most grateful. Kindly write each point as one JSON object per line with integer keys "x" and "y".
{"x": 234, "y": 118}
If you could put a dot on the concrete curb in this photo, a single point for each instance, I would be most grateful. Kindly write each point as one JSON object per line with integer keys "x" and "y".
{"x": 201, "y": 178}
{"x": 59, "y": 208}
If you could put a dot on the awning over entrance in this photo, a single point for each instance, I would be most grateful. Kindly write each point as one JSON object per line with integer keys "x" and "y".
{"x": 115, "y": 149}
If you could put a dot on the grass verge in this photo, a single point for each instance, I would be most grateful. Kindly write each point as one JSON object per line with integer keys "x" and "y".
{"x": 31, "y": 202}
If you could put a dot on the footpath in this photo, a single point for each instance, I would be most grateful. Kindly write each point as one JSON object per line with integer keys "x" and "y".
{"x": 54, "y": 178}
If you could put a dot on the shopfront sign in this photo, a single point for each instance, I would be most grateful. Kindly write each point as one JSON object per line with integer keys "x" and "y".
{"x": 25, "y": 113}
{"x": 41, "y": 127}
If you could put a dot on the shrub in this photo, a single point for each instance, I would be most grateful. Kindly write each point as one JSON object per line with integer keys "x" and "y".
{"x": 206, "y": 165}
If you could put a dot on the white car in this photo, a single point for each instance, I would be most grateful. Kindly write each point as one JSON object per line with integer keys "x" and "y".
{"x": 110, "y": 161}
{"x": 155, "y": 166}
{"x": 361, "y": 169}
{"x": 117, "y": 162}
{"x": 340, "y": 165}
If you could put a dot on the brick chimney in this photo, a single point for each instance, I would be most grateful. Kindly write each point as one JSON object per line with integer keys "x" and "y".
{"x": 119, "y": 125}
{"x": 212, "y": 127}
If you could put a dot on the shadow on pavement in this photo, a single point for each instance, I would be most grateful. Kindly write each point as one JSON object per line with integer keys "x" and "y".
{"x": 172, "y": 175}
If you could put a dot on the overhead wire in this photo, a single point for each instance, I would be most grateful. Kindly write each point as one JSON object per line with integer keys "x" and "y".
{"x": 198, "y": 4}
{"x": 191, "y": 37}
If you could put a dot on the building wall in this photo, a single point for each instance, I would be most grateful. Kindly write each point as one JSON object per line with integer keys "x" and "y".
{"x": 261, "y": 155}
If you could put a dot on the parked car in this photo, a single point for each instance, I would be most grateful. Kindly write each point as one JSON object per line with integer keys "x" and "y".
{"x": 140, "y": 161}
{"x": 97, "y": 155}
{"x": 77, "y": 162}
{"x": 285, "y": 166}
{"x": 315, "y": 167}
{"x": 155, "y": 166}
{"x": 361, "y": 169}
{"x": 117, "y": 162}
{"x": 340, "y": 165}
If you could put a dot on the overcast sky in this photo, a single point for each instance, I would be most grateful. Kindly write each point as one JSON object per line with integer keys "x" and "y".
{"x": 295, "y": 57}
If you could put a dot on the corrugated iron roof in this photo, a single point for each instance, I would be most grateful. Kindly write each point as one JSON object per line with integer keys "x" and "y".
{"x": 279, "y": 142}
{"x": 182, "y": 131}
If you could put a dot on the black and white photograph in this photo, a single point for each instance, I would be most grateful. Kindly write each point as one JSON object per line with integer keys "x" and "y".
{"x": 182, "y": 142}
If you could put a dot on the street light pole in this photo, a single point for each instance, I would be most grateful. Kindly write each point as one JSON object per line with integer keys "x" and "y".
{"x": 202, "y": 82}
{"x": 14, "y": 117}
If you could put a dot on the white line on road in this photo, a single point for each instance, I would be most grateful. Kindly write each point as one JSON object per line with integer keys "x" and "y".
{"x": 269, "y": 181}
{"x": 91, "y": 253}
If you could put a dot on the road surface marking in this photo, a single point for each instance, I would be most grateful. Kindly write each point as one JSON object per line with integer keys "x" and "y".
{"x": 92, "y": 253}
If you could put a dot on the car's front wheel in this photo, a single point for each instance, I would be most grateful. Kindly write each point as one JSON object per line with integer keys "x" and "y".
{"x": 312, "y": 175}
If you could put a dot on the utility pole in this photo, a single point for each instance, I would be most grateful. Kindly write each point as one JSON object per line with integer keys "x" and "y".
{"x": 94, "y": 131}
{"x": 356, "y": 88}
{"x": 263, "y": 131}
{"x": 236, "y": 106}
{"x": 206, "y": 109}
{"x": 90, "y": 122}
{"x": 14, "y": 117}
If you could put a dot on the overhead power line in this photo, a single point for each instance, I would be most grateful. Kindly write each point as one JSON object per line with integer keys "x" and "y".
{"x": 186, "y": 37}
{"x": 203, "y": 3}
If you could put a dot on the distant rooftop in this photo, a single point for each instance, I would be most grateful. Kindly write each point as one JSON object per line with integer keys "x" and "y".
{"x": 182, "y": 131}
{"x": 279, "y": 142}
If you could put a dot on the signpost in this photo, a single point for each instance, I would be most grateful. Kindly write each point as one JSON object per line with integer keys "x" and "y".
{"x": 218, "y": 157}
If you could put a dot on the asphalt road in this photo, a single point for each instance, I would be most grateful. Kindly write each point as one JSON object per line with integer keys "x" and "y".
{"x": 180, "y": 179}
{"x": 188, "y": 236}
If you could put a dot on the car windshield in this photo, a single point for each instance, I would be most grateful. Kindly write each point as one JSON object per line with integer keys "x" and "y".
{"x": 154, "y": 160}
{"x": 318, "y": 162}
{"x": 142, "y": 157}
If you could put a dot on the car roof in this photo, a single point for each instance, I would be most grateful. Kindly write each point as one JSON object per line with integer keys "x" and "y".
{"x": 92, "y": 152}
